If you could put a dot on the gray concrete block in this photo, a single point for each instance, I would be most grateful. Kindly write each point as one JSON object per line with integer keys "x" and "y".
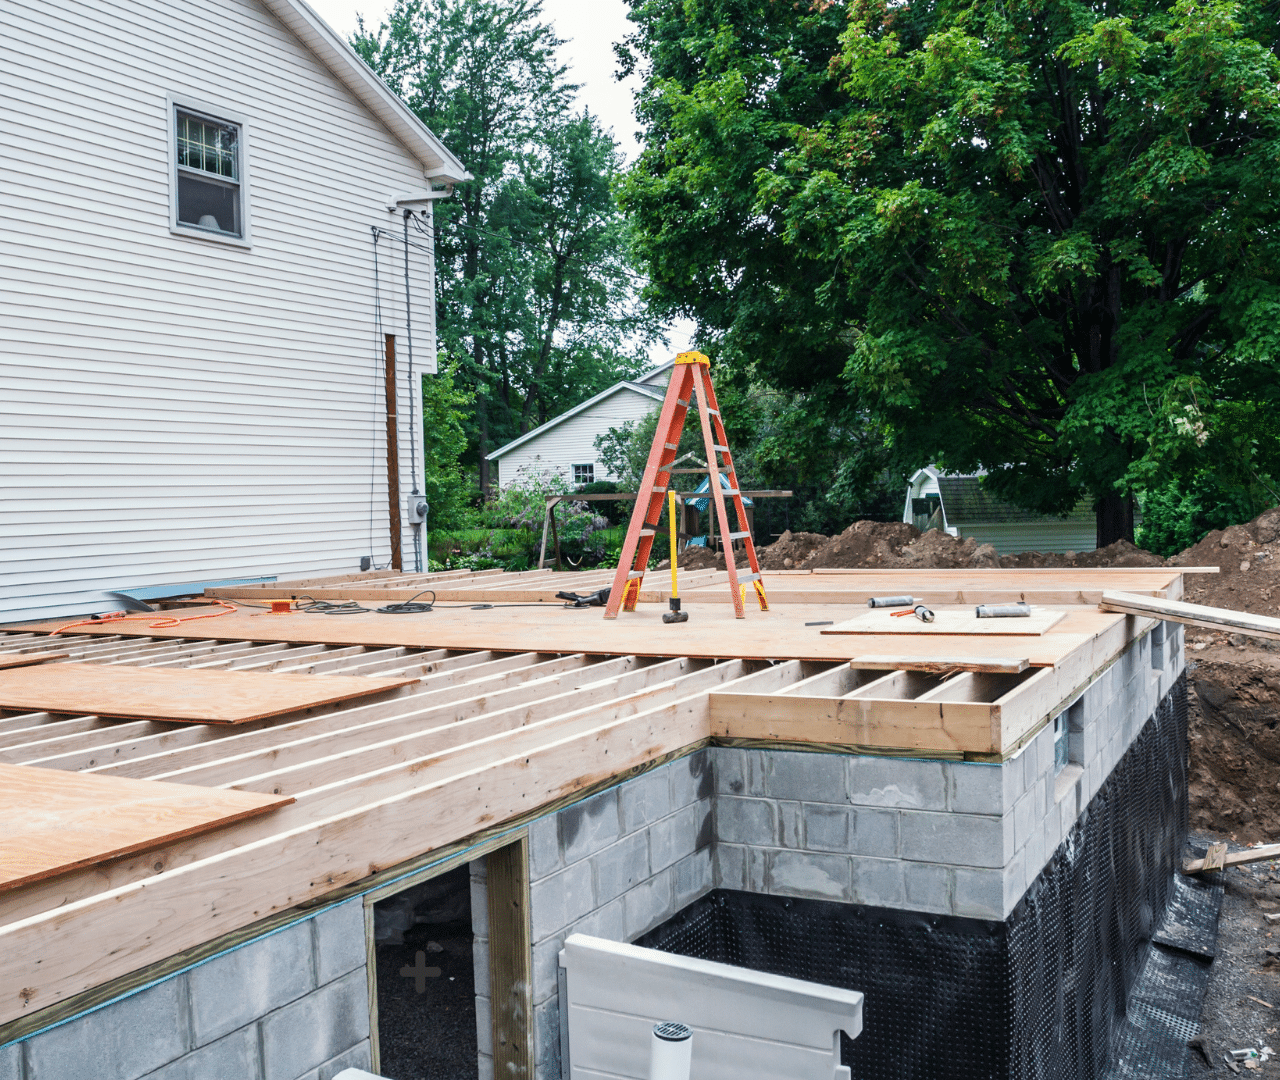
{"x": 1012, "y": 783}
{"x": 1025, "y": 819}
{"x": 676, "y": 835}
{"x": 805, "y": 777}
{"x": 790, "y": 826}
{"x": 757, "y": 869}
{"x": 479, "y": 907}
{"x": 881, "y": 882}
{"x": 588, "y": 826}
{"x": 648, "y": 904}
{"x": 866, "y": 830}
{"x": 484, "y": 1025}
{"x": 645, "y": 799}
{"x": 233, "y": 990}
{"x": 546, "y": 959}
{"x": 951, "y": 839}
{"x": 124, "y": 1041}
{"x": 928, "y": 887}
{"x": 979, "y": 893}
{"x": 339, "y": 940}
{"x": 315, "y": 1029}
{"x": 738, "y": 772}
{"x": 1035, "y": 853}
{"x": 608, "y": 922}
{"x": 730, "y": 866}
{"x": 903, "y": 783}
{"x": 1015, "y": 881}
{"x": 801, "y": 873}
{"x": 544, "y": 847}
{"x": 746, "y": 821}
{"x": 621, "y": 866}
{"x": 692, "y": 778}
{"x": 694, "y": 876}
{"x": 556, "y": 901}
{"x": 11, "y": 1062}
{"x": 546, "y": 1034}
{"x": 974, "y": 787}
{"x": 234, "y": 1055}
{"x": 829, "y": 828}
{"x": 358, "y": 1057}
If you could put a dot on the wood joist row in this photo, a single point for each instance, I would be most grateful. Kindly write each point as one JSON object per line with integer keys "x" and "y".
{"x": 482, "y": 739}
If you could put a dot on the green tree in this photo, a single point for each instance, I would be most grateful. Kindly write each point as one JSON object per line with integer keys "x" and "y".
{"x": 445, "y": 484}
{"x": 534, "y": 294}
{"x": 1016, "y": 232}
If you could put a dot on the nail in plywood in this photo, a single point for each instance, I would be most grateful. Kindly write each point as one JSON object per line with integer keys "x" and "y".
{"x": 953, "y": 621}
{"x": 212, "y": 697}
{"x": 56, "y": 821}
{"x": 27, "y": 659}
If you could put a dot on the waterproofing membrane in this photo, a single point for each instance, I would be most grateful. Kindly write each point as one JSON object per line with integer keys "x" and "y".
{"x": 1040, "y": 996}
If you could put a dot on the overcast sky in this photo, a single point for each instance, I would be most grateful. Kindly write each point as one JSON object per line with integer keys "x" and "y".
{"x": 590, "y": 28}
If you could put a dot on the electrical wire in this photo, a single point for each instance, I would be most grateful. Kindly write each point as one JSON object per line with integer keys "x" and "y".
{"x": 164, "y": 623}
{"x": 411, "y": 606}
{"x": 329, "y": 607}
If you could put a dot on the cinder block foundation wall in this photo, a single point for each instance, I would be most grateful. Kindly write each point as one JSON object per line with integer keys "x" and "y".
{"x": 293, "y": 1005}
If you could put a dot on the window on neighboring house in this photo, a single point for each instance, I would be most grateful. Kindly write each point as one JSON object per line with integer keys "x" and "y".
{"x": 209, "y": 175}
{"x": 584, "y": 474}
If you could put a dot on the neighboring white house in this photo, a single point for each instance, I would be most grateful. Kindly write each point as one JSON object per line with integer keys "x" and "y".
{"x": 191, "y": 342}
{"x": 961, "y": 506}
{"x": 566, "y": 445}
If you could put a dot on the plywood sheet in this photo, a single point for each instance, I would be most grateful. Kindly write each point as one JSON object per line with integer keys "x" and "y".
{"x": 947, "y": 621}
{"x": 56, "y": 822}
{"x": 27, "y": 659}
{"x": 210, "y": 697}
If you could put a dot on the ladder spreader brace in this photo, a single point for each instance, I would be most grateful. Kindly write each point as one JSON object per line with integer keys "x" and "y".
{"x": 690, "y": 378}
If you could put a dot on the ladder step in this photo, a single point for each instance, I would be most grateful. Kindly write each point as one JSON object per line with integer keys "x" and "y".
{"x": 681, "y": 401}
{"x": 735, "y": 536}
{"x": 648, "y": 532}
{"x": 748, "y": 577}
{"x": 722, "y": 449}
{"x": 672, "y": 446}
{"x": 713, "y": 412}
{"x": 639, "y": 573}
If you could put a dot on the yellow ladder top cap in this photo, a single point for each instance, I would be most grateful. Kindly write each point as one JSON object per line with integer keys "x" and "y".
{"x": 692, "y": 358}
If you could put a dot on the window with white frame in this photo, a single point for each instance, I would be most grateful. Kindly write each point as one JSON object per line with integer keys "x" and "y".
{"x": 584, "y": 474}
{"x": 209, "y": 185}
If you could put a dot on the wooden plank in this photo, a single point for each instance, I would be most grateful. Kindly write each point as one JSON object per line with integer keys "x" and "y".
{"x": 26, "y": 659}
{"x": 1237, "y": 622}
{"x": 941, "y": 664}
{"x": 510, "y": 960}
{"x": 1221, "y": 860}
{"x": 209, "y": 697}
{"x": 947, "y": 621}
{"x": 57, "y": 822}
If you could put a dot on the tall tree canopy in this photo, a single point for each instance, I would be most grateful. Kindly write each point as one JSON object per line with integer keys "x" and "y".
{"x": 535, "y": 297}
{"x": 1040, "y": 237}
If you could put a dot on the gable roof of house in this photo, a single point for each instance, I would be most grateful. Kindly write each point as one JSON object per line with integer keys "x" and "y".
{"x": 347, "y": 67}
{"x": 542, "y": 429}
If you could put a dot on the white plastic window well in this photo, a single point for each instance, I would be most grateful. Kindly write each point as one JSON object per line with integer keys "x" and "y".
{"x": 209, "y": 187}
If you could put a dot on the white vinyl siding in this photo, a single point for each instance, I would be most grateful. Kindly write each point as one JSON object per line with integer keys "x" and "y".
{"x": 173, "y": 410}
{"x": 567, "y": 443}
{"x": 1048, "y": 535}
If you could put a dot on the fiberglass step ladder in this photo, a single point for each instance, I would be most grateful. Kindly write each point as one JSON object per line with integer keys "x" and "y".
{"x": 691, "y": 376}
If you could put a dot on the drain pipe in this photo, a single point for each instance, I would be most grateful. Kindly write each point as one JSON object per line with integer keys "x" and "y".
{"x": 670, "y": 1052}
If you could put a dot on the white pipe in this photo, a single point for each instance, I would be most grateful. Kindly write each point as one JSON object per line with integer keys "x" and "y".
{"x": 671, "y": 1051}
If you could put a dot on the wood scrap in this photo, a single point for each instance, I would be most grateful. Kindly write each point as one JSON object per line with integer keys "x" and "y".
{"x": 940, "y": 664}
{"x": 1239, "y": 622}
{"x": 27, "y": 659}
{"x": 956, "y": 621}
{"x": 1234, "y": 858}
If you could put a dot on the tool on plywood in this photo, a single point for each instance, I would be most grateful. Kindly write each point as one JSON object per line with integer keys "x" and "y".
{"x": 690, "y": 379}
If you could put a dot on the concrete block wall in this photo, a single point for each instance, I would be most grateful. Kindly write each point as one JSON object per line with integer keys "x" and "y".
{"x": 293, "y": 1005}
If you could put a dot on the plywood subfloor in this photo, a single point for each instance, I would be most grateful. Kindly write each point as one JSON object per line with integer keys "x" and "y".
{"x": 783, "y": 633}
{"x": 948, "y": 621}
{"x": 210, "y": 697}
{"x": 27, "y": 659}
{"x": 56, "y": 822}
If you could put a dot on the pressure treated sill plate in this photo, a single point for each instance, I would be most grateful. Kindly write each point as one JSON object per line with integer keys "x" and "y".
{"x": 207, "y": 697}
{"x": 55, "y": 821}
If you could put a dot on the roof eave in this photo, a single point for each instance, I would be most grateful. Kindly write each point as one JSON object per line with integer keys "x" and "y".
{"x": 647, "y": 391}
{"x": 438, "y": 162}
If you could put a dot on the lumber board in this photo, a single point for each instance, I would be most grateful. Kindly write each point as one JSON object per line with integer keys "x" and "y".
{"x": 1234, "y": 858}
{"x": 1213, "y": 618}
{"x": 947, "y": 621}
{"x": 26, "y": 659}
{"x": 207, "y": 697}
{"x": 57, "y": 822}
{"x": 939, "y": 664}
{"x": 510, "y": 960}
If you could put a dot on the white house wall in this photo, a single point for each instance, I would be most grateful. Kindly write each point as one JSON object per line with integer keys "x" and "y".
{"x": 572, "y": 442}
{"x": 175, "y": 409}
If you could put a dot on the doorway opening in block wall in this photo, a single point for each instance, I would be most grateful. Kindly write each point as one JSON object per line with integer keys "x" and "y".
{"x": 423, "y": 942}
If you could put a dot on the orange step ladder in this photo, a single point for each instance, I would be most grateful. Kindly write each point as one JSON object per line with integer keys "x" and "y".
{"x": 690, "y": 380}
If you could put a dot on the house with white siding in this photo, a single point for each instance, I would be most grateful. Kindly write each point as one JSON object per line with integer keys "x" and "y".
{"x": 216, "y": 228}
{"x": 961, "y": 506}
{"x": 566, "y": 446}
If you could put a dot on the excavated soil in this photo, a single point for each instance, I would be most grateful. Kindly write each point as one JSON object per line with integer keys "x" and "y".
{"x": 1234, "y": 680}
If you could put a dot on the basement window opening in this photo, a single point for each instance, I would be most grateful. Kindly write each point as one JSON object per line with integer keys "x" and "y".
{"x": 584, "y": 474}
{"x": 426, "y": 1004}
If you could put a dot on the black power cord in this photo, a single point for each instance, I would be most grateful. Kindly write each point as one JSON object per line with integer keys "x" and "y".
{"x": 329, "y": 607}
{"x": 411, "y": 606}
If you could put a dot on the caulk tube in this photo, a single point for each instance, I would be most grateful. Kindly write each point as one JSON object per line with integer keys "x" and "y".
{"x": 670, "y": 1052}
{"x": 1003, "y": 611}
{"x": 891, "y": 601}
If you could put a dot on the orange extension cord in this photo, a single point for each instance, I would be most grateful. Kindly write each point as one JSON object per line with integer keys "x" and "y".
{"x": 162, "y": 624}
